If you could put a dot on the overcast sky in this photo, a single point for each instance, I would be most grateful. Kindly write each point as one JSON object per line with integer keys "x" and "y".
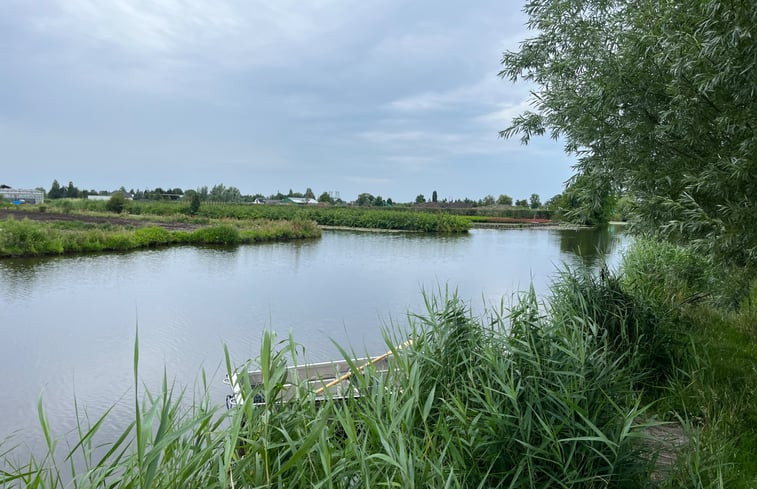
{"x": 394, "y": 98}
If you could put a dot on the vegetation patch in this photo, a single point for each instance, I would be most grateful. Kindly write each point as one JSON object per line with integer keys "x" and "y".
{"x": 31, "y": 238}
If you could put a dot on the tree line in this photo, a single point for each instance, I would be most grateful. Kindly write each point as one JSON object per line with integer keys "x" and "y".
{"x": 231, "y": 194}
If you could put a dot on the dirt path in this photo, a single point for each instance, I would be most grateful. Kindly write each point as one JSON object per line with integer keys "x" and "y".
{"x": 115, "y": 221}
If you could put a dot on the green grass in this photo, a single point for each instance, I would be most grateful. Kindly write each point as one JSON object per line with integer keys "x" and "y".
{"x": 710, "y": 315}
{"x": 31, "y": 238}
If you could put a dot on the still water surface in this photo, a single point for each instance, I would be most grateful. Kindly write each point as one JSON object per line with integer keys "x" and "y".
{"x": 68, "y": 324}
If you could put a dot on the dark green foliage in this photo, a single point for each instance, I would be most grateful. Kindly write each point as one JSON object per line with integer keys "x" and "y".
{"x": 628, "y": 324}
{"x": 117, "y": 203}
{"x": 658, "y": 100}
{"x": 55, "y": 191}
{"x": 194, "y": 204}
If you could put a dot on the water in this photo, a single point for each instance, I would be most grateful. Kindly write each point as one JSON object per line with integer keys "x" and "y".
{"x": 68, "y": 324}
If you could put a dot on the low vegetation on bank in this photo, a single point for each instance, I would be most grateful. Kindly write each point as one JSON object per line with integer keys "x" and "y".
{"x": 566, "y": 393}
{"x": 30, "y": 238}
{"x": 355, "y": 217}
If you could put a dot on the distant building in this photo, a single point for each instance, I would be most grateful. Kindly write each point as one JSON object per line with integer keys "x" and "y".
{"x": 22, "y": 195}
{"x": 299, "y": 201}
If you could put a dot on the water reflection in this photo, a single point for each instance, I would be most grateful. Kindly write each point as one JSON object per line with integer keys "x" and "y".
{"x": 591, "y": 246}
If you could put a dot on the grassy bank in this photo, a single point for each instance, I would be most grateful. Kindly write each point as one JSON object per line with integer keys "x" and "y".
{"x": 708, "y": 317}
{"x": 355, "y": 217}
{"x": 30, "y": 238}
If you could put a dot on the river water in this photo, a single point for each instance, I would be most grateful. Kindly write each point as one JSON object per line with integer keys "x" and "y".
{"x": 69, "y": 324}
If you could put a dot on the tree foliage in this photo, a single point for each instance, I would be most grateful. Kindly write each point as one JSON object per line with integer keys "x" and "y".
{"x": 504, "y": 199}
{"x": 194, "y": 203}
{"x": 657, "y": 101}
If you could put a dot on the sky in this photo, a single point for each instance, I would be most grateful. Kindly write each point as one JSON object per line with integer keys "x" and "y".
{"x": 389, "y": 97}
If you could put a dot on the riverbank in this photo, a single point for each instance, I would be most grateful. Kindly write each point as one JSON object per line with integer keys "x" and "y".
{"x": 58, "y": 234}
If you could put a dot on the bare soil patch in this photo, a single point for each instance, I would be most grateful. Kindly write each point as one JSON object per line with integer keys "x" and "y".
{"x": 115, "y": 220}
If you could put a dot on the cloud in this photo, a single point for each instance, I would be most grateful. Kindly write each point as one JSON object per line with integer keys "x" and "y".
{"x": 363, "y": 180}
{"x": 171, "y": 44}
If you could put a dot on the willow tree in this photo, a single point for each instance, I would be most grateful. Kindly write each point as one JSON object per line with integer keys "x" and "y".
{"x": 657, "y": 99}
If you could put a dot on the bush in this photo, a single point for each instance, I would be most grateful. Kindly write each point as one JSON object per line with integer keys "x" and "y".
{"x": 117, "y": 203}
{"x": 221, "y": 234}
{"x": 151, "y": 236}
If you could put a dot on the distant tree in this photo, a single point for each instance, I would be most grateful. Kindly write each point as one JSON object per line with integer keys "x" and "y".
{"x": 504, "y": 200}
{"x": 488, "y": 200}
{"x": 194, "y": 203}
{"x": 117, "y": 203}
{"x": 434, "y": 196}
{"x": 365, "y": 199}
{"x": 309, "y": 194}
{"x": 55, "y": 191}
{"x": 71, "y": 191}
{"x": 326, "y": 198}
{"x": 216, "y": 193}
{"x": 521, "y": 203}
{"x": 420, "y": 199}
{"x": 378, "y": 201}
{"x": 232, "y": 194}
{"x": 389, "y": 202}
{"x": 534, "y": 201}
{"x": 553, "y": 203}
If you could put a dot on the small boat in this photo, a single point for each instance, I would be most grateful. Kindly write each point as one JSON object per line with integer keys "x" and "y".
{"x": 321, "y": 379}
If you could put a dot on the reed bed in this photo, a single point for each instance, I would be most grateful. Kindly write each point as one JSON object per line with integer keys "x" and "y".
{"x": 516, "y": 398}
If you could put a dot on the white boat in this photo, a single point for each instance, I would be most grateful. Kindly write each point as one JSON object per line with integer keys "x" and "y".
{"x": 318, "y": 379}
